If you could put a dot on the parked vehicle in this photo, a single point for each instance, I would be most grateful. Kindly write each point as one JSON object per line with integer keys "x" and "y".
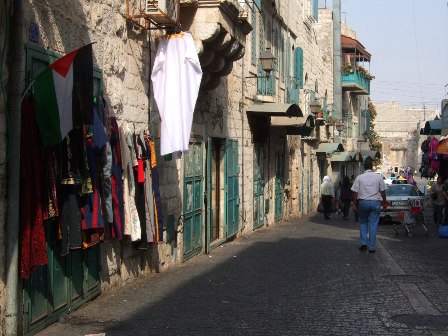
{"x": 387, "y": 180}
{"x": 405, "y": 204}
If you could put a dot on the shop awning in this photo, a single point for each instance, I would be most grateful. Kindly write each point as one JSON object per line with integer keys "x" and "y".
{"x": 443, "y": 147}
{"x": 342, "y": 156}
{"x": 294, "y": 125}
{"x": 275, "y": 110}
{"x": 373, "y": 154}
{"x": 329, "y": 148}
{"x": 433, "y": 127}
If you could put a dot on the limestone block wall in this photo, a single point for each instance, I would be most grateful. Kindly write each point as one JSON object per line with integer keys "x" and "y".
{"x": 401, "y": 148}
{"x": 122, "y": 52}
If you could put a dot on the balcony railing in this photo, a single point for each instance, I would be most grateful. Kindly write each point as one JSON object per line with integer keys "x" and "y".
{"x": 356, "y": 82}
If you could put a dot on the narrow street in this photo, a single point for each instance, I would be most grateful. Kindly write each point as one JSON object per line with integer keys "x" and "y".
{"x": 304, "y": 277}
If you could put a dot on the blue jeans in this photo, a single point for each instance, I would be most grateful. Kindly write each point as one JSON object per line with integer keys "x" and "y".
{"x": 369, "y": 215}
{"x": 438, "y": 214}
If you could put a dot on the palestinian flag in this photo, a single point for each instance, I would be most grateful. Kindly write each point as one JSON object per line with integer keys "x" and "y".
{"x": 64, "y": 95}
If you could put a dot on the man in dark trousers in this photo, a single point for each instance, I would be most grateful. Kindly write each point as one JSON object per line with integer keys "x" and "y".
{"x": 368, "y": 191}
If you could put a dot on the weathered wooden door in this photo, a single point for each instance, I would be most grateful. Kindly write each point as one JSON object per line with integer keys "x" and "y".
{"x": 232, "y": 187}
{"x": 67, "y": 281}
{"x": 279, "y": 169}
{"x": 193, "y": 199}
{"x": 258, "y": 186}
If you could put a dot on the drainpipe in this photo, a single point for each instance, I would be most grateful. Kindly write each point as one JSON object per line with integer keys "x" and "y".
{"x": 242, "y": 108}
{"x": 13, "y": 173}
{"x": 337, "y": 59}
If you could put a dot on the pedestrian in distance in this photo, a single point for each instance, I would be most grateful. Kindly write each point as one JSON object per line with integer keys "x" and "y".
{"x": 369, "y": 193}
{"x": 345, "y": 196}
{"x": 445, "y": 198}
{"x": 438, "y": 201}
{"x": 327, "y": 196}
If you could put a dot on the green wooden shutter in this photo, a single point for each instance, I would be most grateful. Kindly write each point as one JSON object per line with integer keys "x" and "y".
{"x": 316, "y": 9}
{"x": 298, "y": 66}
{"x": 288, "y": 71}
{"x": 254, "y": 39}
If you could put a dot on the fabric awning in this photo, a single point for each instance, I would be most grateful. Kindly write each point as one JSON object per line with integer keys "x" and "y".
{"x": 329, "y": 148}
{"x": 342, "y": 156}
{"x": 274, "y": 109}
{"x": 294, "y": 125}
{"x": 433, "y": 127}
{"x": 373, "y": 154}
{"x": 443, "y": 147}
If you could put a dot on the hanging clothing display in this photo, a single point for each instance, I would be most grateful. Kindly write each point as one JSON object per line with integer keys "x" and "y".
{"x": 33, "y": 248}
{"x": 128, "y": 160}
{"x": 99, "y": 183}
{"x": 176, "y": 78}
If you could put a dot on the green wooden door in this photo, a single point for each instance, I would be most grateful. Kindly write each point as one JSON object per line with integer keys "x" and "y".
{"x": 193, "y": 199}
{"x": 232, "y": 187}
{"x": 64, "y": 284}
{"x": 258, "y": 186}
{"x": 279, "y": 168}
{"x": 67, "y": 281}
{"x": 208, "y": 194}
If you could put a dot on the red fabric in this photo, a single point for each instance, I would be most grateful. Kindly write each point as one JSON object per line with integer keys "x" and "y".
{"x": 33, "y": 250}
{"x": 140, "y": 172}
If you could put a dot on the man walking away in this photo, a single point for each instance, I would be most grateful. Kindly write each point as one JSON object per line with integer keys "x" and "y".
{"x": 368, "y": 190}
{"x": 438, "y": 201}
{"x": 327, "y": 192}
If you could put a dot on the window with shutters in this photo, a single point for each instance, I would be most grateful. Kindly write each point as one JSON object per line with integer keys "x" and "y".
{"x": 253, "y": 56}
{"x": 266, "y": 86}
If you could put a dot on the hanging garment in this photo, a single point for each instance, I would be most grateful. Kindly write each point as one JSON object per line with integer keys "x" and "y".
{"x": 117, "y": 181}
{"x": 94, "y": 143}
{"x": 51, "y": 178}
{"x": 33, "y": 249}
{"x": 177, "y": 69}
{"x": 131, "y": 220}
{"x": 70, "y": 217}
{"x": 141, "y": 189}
{"x": 156, "y": 191}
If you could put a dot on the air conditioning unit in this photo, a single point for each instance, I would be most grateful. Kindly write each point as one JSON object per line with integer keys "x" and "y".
{"x": 163, "y": 11}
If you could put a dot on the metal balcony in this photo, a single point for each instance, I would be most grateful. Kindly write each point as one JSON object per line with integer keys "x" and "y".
{"x": 356, "y": 82}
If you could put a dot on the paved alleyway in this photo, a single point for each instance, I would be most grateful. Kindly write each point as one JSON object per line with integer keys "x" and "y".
{"x": 303, "y": 277}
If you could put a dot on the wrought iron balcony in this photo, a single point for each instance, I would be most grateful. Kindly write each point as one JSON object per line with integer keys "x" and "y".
{"x": 356, "y": 82}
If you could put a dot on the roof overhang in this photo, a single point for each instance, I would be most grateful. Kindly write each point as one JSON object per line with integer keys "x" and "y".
{"x": 275, "y": 110}
{"x": 342, "y": 156}
{"x": 330, "y": 148}
{"x": 433, "y": 127}
{"x": 373, "y": 154}
{"x": 294, "y": 125}
{"x": 353, "y": 46}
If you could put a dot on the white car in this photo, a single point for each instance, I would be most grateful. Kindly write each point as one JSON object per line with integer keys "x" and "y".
{"x": 387, "y": 180}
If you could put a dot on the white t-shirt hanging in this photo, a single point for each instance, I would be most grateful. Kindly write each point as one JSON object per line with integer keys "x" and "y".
{"x": 176, "y": 78}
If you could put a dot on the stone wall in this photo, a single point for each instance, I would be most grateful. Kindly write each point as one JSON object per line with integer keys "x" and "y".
{"x": 121, "y": 51}
{"x": 401, "y": 148}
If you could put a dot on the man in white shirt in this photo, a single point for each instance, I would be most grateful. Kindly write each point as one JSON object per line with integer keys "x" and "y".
{"x": 368, "y": 191}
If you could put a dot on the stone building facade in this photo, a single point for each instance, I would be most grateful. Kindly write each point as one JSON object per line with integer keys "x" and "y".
{"x": 241, "y": 172}
{"x": 401, "y": 146}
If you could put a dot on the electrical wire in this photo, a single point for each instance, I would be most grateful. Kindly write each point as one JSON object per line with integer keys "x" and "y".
{"x": 416, "y": 48}
{"x": 2, "y": 86}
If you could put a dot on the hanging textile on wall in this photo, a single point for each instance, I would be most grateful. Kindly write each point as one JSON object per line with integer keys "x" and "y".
{"x": 176, "y": 67}
{"x": 33, "y": 249}
{"x": 128, "y": 161}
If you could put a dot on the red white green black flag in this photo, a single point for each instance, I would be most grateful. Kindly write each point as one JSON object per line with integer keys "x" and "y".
{"x": 64, "y": 95}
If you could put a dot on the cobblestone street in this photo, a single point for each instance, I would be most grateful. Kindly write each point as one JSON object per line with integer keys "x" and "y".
{"x": 304, "y": 277}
